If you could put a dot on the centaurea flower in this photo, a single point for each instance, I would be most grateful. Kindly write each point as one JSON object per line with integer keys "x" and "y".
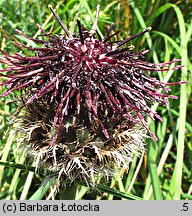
{"x": 85, "y": 98}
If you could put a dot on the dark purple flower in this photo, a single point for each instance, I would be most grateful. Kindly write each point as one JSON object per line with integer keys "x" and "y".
{"x": 84, "y": 71}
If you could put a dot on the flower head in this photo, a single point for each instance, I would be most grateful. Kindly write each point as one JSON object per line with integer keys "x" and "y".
{"x": 85, "y": 99}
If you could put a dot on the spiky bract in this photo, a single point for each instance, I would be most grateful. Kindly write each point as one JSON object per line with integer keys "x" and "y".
{"x": 79, "y": 153}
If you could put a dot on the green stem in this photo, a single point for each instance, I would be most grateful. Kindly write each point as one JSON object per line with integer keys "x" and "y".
{"x": 67, "y": 191}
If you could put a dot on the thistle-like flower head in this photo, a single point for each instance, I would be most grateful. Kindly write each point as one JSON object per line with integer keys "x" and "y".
{"x": 85, "y": 99}
{"x": 85, "y": 72}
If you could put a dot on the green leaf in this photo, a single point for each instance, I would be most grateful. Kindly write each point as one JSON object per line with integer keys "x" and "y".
{"x": 40, "y": 193}
{"x": 117, "y": 193}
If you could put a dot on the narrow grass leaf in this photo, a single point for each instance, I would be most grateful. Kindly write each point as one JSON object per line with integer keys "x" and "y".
{"x": 117, "y": 193}
{"x": 175, "y": 186}
{"x": 43, "y": 189}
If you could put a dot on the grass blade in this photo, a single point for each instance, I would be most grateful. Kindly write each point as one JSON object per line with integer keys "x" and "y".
{"x": 39, "y": 194}
{"x": 175, "y": 186}
{"x": 117, "y": 193}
